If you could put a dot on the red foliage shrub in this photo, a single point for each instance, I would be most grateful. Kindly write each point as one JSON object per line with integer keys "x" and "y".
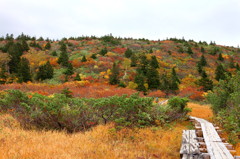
{"x": 157, "y": 93}
{"x": 194, "y": 93}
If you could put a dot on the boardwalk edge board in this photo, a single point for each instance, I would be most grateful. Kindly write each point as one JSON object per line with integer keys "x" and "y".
{"x": 205, "y": 143}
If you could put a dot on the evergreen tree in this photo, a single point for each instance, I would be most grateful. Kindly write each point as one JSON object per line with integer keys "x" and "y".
{"x": 103, "y": 51}
{"x": 237, "y": 67}
{"x": 128, "y": 53}
{"x": 189, "y": 51}
{"x": 231, "y": 63}
{"x": 154, "y": 62}
{"x": 77, "y": 78}
{"x": 69, "y": 70}
{"x": 133, "y": 60}
{"x": 143, "y": 64}
{"x": 54, "y": 53}
{"x": 220, "y": 58}
{"x": 63, "y": 47}
{"x": 220, "y": 73}
{"x": 45, "y": 71}
{"x": 3, "y": 76}
{"x": 174, "y": 80}
{"x": 93, "y": 56}
{"x": 63, "y": 59}
{"x": 48, "y": 46}
{"x": 23, "y": 73}
{"x": 180, "y": 49}
{"x": 153, "y": 78}
{"x": 84, "y": 59}
{"x": 151, "y": 51}
{"x": 25, "y": 45}
{"x": 205, "y": 82}
{"x": 202, "y": 50}
{"x": 139, "y": 80}
{"x": 199, "y": 67}
{"x": 203, "y": 61}
{"x": 113, "y": 78}
{"x": 165, "y": 83}
{"x": 15, "y": 50}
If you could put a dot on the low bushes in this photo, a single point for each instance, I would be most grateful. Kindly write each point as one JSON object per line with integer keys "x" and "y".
{"x": 60, "y": 111}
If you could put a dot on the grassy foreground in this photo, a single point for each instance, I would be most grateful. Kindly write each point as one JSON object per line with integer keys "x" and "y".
{"x": 100, "y": 142}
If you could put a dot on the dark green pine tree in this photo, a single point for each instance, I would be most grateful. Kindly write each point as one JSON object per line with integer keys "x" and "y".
{"x": 48, "y": 46}
{"x": 205, "y": 82}
{"x": 189, "y": 51}
{"x": 165, "y": 83}
{"x": 25, "y": 45}
{"x": 133, "y": 60}
{"x": 3, "y": 76}
{"x": 84, "y": 59}
{"x": 114, "y": 76}
{"x": 54, "y": 53}
{"x": 24, "y": 74}
{"x": 63, "y": 59}
{"x": 15, "y": 51}
{"x": 180, "y": 50}
{"x": 202, "y": 50}
{"x": 231, "y": 63}
{"x": 139, "y": 80}
{"x": 151, "y": 51}
{"x": 144, "y": 64}
{"x": 153, "y": 78}
{"x": 220, "y": 58}
{"x": 199, "y": 68}
{"x": 93, "y": 56}
{"x": 154, "y": 62}
{"x": 203, "y": 61}
{"x": 103, "y": 51}
{"x": 220, "y": 73}
{"x": 174, "y": 80}
{"x": 45, "y": 71}
{"x": 128, "y": 53}
{"x": 77, "y": 78}
{"x": 63, "y": 47}
{"x": 69, "y": 70}
{"x": 237, "y": 67}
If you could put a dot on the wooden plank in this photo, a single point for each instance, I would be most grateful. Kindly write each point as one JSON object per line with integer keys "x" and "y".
{"x": 214, "y": 144}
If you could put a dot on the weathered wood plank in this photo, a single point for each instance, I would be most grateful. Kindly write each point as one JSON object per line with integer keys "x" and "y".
{"x": 214, "y": 144}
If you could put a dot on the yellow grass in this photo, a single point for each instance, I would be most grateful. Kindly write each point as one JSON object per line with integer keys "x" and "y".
{"x": 102, "y": 142}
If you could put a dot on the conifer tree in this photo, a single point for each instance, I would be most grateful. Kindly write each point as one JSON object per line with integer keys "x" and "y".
{"x": 220, "y": 73}
{"x": 220, "y": 58}
{"x": 24, "y": 74}
{"x": 133, "y": 60}
{"x": 54, "y": 53}
{"x": 84, "y": 59}
{"x": 144, "y": 64}
{"x": 174, "y": 80}
{"x": 202, "y": 50}
{"x": 103, "y": 51}
{"x": 113, "y": 78}
{"x": 63, "y": 47}
{"x": 77, "y": 78}
{"x": 45, "y": 71}
{"x": 128, "y": 53}
{"x": 205, "y": 82}
{"x": 165, "y": 83}
{"x": 69, "y": 70}
{"x": 139, "y": 80}
{"x": 203, "y": 61}
{"x": 189, "y": 51}
{"x": 153, "y": 78}
{"x": 154, "y": 62}
{"x": 48, "y": 46}
{"x": 25, "y": 45}
{"x": 3, "y": 76}
{"x": 15, "y": 51}
{"x": 63, "y": 59}
{"x": 237, "y": 67}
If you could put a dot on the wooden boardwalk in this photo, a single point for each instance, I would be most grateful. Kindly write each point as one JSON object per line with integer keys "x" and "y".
{"x": 215, "y": 147}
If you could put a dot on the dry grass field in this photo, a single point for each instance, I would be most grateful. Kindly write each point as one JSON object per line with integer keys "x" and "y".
{"x": 102, "y": 142}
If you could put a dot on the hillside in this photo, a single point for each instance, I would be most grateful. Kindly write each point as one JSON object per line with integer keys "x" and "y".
{"x": 172, "y": 66}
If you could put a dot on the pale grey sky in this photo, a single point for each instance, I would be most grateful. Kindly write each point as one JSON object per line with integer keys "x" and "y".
{"x": 206, "y": 20}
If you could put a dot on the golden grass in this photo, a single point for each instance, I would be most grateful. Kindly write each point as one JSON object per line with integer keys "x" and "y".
{"x": 201, "y": 111}
{"x": 102, "y": 142}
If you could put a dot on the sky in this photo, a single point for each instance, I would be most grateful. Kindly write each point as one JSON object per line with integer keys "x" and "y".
{"x": 205, "y": 20}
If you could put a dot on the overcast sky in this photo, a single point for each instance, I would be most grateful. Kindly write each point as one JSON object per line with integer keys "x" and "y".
{"x": 206, "y": 20}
